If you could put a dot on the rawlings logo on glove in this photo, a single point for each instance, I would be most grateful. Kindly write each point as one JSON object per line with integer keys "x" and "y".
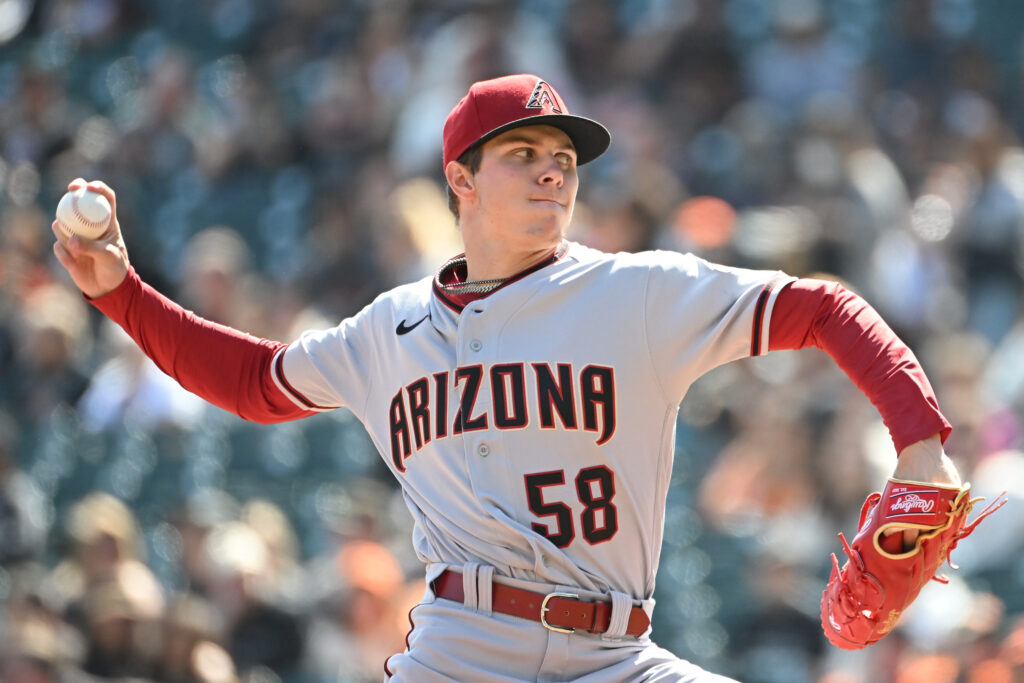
{"x": 864, "y": 599}
{"x": 911, "y": 501}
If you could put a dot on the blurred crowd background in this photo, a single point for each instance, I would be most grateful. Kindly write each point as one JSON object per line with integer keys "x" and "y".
{"x": 277, "y": 164}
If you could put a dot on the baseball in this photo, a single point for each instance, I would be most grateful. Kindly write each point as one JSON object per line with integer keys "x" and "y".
{"x": 83, "y": 212}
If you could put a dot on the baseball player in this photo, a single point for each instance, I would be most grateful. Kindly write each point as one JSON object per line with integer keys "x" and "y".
{"x": 525, "y": 397}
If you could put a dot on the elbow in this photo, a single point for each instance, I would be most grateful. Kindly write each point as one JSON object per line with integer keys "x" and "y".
{"x": 270, "y": 414}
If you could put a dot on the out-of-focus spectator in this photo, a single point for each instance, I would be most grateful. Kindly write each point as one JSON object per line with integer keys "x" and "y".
{"x": 24, "y": 514}
{"x": 210, "y": 663}
{"x": 122, "y": 616}
{"x": 104, "y": 536}
{"x": 999, "y": 548}
{"x": 959, "y": 361}
{"x": 34, "y": 651}
{"x": 52, "y": 342}
{"x": 618, "y": 224}
{"x": 193, "y": 521}
{"x": 801, "y": 57}
{"x": 191, "y": 626}
{"x": 129, "y": 389}
{"x": 762, "y": 475}
{"x": 361, "y": 624}
{"x": 284, "y": 580}
{"x": 258, "y": 632}
{"x": 214, "y": 269}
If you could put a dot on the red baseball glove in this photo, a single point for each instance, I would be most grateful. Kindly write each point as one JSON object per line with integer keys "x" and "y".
{"x": 864, "y": 599}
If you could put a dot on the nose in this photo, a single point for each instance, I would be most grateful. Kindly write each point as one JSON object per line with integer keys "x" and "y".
{"x": 552, "y": 173}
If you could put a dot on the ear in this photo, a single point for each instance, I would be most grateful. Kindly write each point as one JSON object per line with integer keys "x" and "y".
{"x": 460, "y": 180}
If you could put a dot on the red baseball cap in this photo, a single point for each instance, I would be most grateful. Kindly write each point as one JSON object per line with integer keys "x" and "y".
{"x": 500, "y": 104}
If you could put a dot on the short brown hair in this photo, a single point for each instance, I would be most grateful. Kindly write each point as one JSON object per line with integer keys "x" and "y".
{"x": 471, "y": 159}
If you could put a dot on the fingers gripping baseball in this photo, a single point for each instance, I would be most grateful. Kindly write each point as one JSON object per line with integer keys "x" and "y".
{"x": 97, "y": 266}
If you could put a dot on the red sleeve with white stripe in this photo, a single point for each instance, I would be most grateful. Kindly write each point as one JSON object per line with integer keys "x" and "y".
{"x": 826, "y": 315}
{"x": 228, "y": 368}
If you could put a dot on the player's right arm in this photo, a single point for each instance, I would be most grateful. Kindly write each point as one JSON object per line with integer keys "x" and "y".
{"x": 226, "y": 367}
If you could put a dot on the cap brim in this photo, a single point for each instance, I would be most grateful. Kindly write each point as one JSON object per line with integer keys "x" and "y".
{"x": 589, "y": 137}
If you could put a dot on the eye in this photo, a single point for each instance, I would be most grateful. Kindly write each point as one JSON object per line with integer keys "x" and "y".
{"x": 524, "y": 152}
{"x": 565, "y": 160}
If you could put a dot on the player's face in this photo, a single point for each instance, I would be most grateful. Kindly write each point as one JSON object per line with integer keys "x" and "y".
{"x": 526, "y": 187}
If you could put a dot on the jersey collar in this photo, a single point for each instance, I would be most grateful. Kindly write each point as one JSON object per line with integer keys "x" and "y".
{"x": 454, "y": 270}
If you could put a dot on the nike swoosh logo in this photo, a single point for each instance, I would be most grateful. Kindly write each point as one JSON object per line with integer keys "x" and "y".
{"x": 406, "y": 329}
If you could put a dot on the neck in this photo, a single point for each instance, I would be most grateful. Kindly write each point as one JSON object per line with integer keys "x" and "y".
{"x": 493, "y": 264}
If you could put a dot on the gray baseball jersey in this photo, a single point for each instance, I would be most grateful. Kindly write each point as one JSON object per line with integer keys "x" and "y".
{"x": 533, "y": 431}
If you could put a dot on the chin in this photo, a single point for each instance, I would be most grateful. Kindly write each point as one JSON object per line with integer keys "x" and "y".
{"x": 549, "y": 234}
{"x": 551, "y": 224}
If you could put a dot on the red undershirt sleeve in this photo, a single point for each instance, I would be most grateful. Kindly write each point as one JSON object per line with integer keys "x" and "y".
{"x": 228, "y": 368}
{"x": 826, "y": 315}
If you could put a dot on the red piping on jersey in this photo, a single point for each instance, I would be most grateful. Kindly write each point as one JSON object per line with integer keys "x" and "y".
{"x": 762, "y": 301}
{"x": 460, "y": 302}
{"x": 295, "y": 393}
{"x": 412, "y": 626}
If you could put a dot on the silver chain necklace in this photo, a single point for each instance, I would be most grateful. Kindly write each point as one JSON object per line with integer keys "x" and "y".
{"x": 474, "y": 287}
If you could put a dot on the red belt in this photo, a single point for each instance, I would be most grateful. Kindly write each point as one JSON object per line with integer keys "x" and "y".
{"x": 562, "y": 612}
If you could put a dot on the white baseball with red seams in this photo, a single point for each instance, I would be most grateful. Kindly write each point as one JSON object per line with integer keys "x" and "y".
{"x": 84, "y": 212}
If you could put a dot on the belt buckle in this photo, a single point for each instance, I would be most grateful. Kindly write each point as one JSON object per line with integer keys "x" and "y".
{"x": 544, "y": 609}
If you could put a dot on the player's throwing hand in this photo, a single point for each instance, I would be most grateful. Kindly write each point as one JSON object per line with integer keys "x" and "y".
{"x": 97, "y": 267}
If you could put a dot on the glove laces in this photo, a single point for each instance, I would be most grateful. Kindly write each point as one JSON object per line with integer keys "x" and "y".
{"x": 968, "y": 529}
{"x": 850, "y": 605}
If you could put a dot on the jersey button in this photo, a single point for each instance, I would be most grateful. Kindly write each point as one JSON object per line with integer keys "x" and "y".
{"x": 483, "y": 450}
{"x": 476, "y": 345}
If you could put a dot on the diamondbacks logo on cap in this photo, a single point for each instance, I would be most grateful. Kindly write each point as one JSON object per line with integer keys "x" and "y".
{"x": 541, "y": 98}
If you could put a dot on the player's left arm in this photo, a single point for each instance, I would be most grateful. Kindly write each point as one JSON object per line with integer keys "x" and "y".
{"x": 826, "y": 315}
{"x": 907, "y": 531}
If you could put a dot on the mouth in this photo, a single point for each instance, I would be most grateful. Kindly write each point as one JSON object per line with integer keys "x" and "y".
{"x": 547, "y": 200}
